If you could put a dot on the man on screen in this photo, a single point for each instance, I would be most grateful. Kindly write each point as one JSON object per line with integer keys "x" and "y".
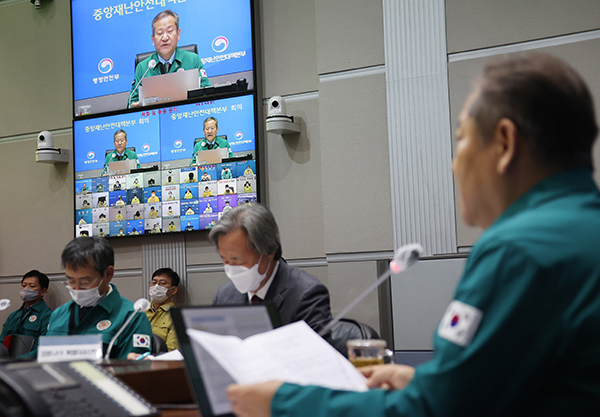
{"x": 168, "y": 58}
{"x": 121, "y": 153}
{"x": 210, "y": 141}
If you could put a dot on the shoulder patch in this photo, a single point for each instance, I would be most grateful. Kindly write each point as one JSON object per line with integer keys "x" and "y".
{"x": 103, "y": 325}
{"x": 203, "y": 73}
{"x": 32, "y": 318}
{"x": 460, "y": 322}
{"x": 141, "y": 340}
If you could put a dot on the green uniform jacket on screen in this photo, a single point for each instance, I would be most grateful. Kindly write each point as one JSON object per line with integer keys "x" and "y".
{"x": 32, "y": 322}
{"x": 203, "y": 145}
{"x": 533, "y": 279}
{"x": 183, "y": 59}
{"x": 106, "y": 319}
{"x": 114, "y": 156}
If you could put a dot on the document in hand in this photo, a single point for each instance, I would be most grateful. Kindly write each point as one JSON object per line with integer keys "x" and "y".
{"x": 292, "y": 353}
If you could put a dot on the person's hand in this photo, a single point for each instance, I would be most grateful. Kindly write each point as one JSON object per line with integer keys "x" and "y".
{"x": 136, "y": 104}
{"x": 388, "y": 376}
{"x": 131, "y": 356}
{"x": 252, "y": 400}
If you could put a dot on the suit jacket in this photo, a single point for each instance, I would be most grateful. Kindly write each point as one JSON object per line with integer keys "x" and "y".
{"x": 296, "y": 294}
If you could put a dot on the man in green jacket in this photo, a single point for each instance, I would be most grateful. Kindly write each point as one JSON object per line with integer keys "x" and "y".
{"x": 34, "y": 315}
{"x": 521, "y": 336}
{"x": 211, "y": 140}
{"x": 121, "y": 153}
{"x": 97, "y": 306}
{"x": 167, "y": 58}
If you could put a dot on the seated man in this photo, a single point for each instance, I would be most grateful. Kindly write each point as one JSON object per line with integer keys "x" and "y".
{"x": 164, "y": 286}
{"x": 168, "y": 58}
{"x": 211, "y": 140}
{"x": 153, "y": 213}
{"x": 97, "y": 306}
{"x": 247, "y": 238}
{"x": 121, "y": 153}
{"x": 153, "y": 197}
{"x": 521, "y": 336}
{"x": 33, "y": 316}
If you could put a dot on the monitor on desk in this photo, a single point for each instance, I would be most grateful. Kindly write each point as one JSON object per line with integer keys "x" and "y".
{"x": 209, "y": 381}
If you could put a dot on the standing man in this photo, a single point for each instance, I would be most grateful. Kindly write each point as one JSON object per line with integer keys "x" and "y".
{"x": 165, "y": 283}
{"x": 210, "y": 141}
{"x": 34, "y": 315}
{"x": 121, "y": 153}
{"x": 247, "y": 238}
{"x": 168, "y": 57}
{"x": 97, "y": 306}
{"x": 521, "y": 336}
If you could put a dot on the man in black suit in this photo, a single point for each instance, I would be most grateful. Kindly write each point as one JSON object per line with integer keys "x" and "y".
{"x": 247, "y": 238}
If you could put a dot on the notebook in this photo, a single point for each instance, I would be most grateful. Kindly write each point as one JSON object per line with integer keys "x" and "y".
{"x": 209, "y": 380}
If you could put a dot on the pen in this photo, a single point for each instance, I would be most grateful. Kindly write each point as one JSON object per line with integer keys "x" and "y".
{"x": 139, "y": 358}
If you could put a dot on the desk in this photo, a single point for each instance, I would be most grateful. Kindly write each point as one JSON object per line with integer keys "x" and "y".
{"x": 159, "y": 382}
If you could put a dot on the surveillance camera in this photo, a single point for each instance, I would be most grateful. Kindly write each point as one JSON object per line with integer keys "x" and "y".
{"x": 277, "y": 106}
{"x": 45, "y": 140}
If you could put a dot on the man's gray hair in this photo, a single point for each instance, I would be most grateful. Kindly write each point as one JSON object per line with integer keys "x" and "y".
{"x": 88, "y": 252}
{"x": 257, "y": 222}
{"x": 162, "y": 15}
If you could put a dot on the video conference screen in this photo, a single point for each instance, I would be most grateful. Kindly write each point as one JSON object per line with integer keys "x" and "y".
{"x": 167, "y": 169}
{"x": 108, "y": 34}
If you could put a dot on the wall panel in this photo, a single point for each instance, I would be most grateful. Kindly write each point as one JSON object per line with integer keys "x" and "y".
{"x": 474, "y": 24}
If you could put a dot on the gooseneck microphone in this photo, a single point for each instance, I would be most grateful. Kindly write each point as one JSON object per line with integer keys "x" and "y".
{"x": 404, "y": 258}
{"x": 151, "y": 65}
{"x": 140, "y": 305}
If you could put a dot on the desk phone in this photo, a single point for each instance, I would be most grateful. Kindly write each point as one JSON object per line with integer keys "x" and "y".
{"x": 66, "y": 389}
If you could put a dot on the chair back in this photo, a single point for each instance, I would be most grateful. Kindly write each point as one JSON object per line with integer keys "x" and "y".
{"x": 140, "y": 57}
{"x": 158, "y": 345}
{"x": 349, "y": 329}
{"x": 218, "y": 136}
{"x": 20, "y": 344}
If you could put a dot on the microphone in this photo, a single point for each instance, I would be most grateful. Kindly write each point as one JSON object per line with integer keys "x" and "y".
{"x": 140, "y": 305}
{"x": 404, "y": 258}
{"x": 151, "y": 65}
{"x": 4, "y": 304}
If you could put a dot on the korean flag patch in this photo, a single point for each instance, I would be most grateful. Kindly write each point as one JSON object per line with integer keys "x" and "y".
{"x": 141, "y": 340}
{"x": 203, "y": 73}
{"x": 460, "y": 322}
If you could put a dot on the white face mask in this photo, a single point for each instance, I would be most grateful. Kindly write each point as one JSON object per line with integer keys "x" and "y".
{"x": 28, "y": 294}
{"x": 245, "y": 279}
{"x": 158, "y": 294}
{"x": 86, "y": 298}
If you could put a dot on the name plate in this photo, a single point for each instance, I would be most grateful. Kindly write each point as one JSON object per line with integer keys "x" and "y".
{"x": 70, "y": 348}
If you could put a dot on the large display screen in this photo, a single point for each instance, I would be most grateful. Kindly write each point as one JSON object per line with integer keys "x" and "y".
{"x": 108, "y": 34}
{"x": 167, "y": 169}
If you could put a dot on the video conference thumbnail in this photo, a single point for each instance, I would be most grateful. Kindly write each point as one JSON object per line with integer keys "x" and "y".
{"x": 188, "y": 203}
